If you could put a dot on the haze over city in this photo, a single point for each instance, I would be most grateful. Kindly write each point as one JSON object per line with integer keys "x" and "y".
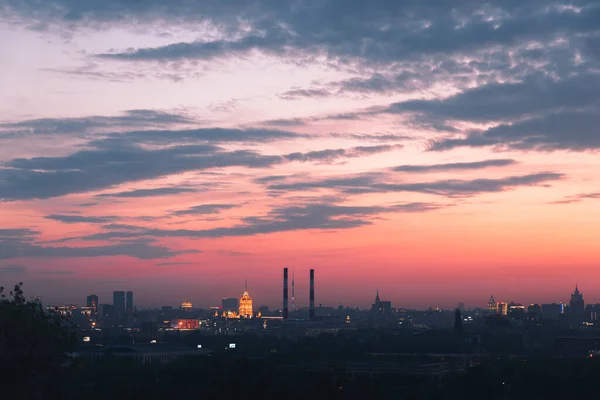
{"x": 434, "y": 151}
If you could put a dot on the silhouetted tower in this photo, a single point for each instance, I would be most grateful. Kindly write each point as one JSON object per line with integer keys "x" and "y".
{"x": 293, "y": 294}
{"x": 129, "y": 302}
{"x": 576, "y": 304}
{"x": 285, "y": 294}
{"x": 458, "y": 323}
{"x": 92, "y": 301}
{"x": 119, "y": 303}
{"x": 311, "y": 309}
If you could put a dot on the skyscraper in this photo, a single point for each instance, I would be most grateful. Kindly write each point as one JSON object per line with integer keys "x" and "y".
{"x": 230, "y": 304}
{"x": 293, "y": 294}
{"x": 492, "y": 306}
{"x": 311, "y": 296}
{"x": 92, "y": 301}
{"x": 129, "y": 302}
{"x": 119, "y": 303}
{"x": 246, "y": 310}
{"x": 576, "y": 304}
{"x": 285, "y": 294}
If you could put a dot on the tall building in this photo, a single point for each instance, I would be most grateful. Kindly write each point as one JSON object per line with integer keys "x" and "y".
{"x": 458, "y": 323}
{"x": 186, "y": 306}
{"x": 119, "y": 303}
{"x": 129, "y": 302}
{"x": 230, "y": 304}
{"x": 380, "y": 311}
{"x": 311, "y": 296}
{"x": 502, "y": 308}
{"x": 293, "y": 294}
{"x": 285, "y": 294}
{"x": 576, "y": 304}
{"x": 381, "y": 307}
{"x": 245, "y": 309}
{"x": 492, "y": 307}
{"x": 92, "y": 301}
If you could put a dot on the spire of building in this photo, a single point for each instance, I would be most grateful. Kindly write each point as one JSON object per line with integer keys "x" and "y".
{"x": 246, "y": 285}
{"x": 377, "y": 297}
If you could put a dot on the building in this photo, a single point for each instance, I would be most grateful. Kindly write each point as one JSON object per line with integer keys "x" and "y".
{"x": 534, "y": 309}
{"x": 492, "y": 306}
{"x": 129, "y": 302}
{"x": 149, "y": 330}
{"x": 186, "y": 324}
{"x": 576, "y": 304}
{"x": 119, "y": 303}
{"x": 516, "y": 310}
{"x": 381, "y": 307}
{"x": 502, "y": 308}
{"x": 230, "y": 304}
{"x": 552, "y": 310}
{"x": 92, "y": 301}
{"x": 150, "y": 353}
{"x": 186, "y": 306}
{"x": 245, "y": 309}
{"x": 380, "y": 311}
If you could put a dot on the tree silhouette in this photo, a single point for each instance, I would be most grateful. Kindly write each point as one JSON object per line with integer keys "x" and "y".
{"x": 33, "y": 347}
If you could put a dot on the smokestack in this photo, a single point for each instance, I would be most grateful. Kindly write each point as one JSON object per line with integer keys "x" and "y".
{"x": 311, "y": 310}
{"x": 285, "y": 294}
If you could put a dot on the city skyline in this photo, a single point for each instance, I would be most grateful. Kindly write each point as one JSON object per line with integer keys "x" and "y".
{"x": 435, "y": 152}
{"x": 565, "y": 300}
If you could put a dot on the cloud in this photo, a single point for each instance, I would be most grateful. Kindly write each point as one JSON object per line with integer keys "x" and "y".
{"x": 130, "y": 118}
{"x": 74, "y": 219}
{"x": 205, "y": 209}
{"x": 378, "y": 32}
{"x": 13, "y": 269}
{"x": 233, "y": 253}
{"x": 331, "y": 155}
{"x": 168, "y": 264}
{"x": 454, "y": 166}
{"x": 140, "y": 250}
{"x": 577, "y": 198}
{"x": 575, "y": 131}
{"x": 310, "y": 93}
{"x": 379, "y": 183}
{"x": 320, "y": 216}
{"x": 501, "y": 101}
{"x": 85, "y": 205}
{"x": 285, "y": 122}
{"x": 160, "y": 191}
{"x": 108, "y": 164}
{"x": 57, "y": 273}
{"x": 100, "y": 168}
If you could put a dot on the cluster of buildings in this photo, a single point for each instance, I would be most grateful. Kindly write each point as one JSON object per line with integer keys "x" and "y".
{"x": 575, "y": 310}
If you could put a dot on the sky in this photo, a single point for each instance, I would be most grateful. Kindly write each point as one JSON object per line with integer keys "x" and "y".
{"x": 437, "y": 151}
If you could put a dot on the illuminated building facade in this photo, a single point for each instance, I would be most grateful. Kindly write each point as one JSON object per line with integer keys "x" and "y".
{"x": 92, "y": 301}
{"x": 492, "y": 306}
{"x": 246, "y": 304}
{"x": 186, "y": 306}
{"x": 185, "y": 324}
{"x": 502, "y": 308}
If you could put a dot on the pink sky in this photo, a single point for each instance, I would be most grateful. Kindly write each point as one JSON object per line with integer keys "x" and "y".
{"x": 436, "y": 155}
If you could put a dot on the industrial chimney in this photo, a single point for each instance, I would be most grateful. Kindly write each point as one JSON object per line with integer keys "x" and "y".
{"x": 285, "y": 294}
{"x": 311, "y": 311}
